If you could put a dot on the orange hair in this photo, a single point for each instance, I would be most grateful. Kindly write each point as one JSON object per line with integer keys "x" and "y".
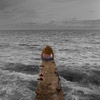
{"x": 48, "y": 50}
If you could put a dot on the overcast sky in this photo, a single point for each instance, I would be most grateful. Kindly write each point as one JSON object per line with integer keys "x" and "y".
{"x": 40, "y": 12}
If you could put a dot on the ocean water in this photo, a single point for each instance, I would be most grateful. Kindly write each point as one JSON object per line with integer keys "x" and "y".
{"x": 77, "y": 56}
{"x": 70, "y": 47}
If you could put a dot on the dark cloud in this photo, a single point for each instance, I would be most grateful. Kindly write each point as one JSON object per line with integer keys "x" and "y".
{"x": 15, "y": 11}
{"x": 8, "y": 3}
{"x": 63, "y": 0}
{"x": 3, "y": 4}
{"x": 91, "y": 11}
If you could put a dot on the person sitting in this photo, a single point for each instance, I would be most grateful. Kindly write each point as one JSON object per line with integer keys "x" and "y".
{"x": 47, "y": 53}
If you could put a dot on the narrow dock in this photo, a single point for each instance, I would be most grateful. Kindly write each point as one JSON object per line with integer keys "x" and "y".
{"x": 49, "y": 85}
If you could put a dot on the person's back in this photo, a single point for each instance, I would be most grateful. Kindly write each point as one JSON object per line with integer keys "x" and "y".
{"x": 47, "y": 53}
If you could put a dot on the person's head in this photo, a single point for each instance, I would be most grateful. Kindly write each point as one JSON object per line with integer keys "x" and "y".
{"x": 48, "y": 50}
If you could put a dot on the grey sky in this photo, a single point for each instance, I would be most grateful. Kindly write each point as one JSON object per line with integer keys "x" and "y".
{"x": 18, "y": 12}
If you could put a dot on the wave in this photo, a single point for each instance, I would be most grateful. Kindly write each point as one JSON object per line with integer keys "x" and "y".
{"x": 91, "y": 76}
{"x": 17, "y": 85}
{"x": 18, "y": 67}
{"x": 69, "y": 50}
{"x": 31, "y": 46}
{"x": 24, "y": 44}
{"x": 4, "y": 45}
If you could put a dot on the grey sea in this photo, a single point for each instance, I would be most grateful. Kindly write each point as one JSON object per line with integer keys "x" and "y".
{"x": 77, "y": 57}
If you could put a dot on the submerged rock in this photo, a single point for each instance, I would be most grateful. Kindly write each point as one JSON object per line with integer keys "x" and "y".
{"x": 49, "y": 85}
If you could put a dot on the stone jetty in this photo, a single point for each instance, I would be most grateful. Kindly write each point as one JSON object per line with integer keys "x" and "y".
{"x": 49, "y": 85}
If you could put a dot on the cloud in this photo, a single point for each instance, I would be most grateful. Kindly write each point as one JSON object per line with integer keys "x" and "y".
{"x": 8, "y": 8}
{"x": 61, "y": 1}
{"x": 16, "y": 12}
{"x": 9, "y": 3}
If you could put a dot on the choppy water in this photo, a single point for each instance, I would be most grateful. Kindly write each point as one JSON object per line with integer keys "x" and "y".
{"x": 77, "y": 56}
{"x": 70, "y": 47}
